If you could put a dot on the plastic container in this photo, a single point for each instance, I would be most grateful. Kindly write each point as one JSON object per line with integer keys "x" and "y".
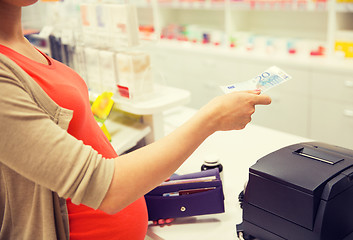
{"x": 211, "y": 162}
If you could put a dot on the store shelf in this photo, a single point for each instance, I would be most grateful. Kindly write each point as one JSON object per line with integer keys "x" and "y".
{"x": 163, "y": 98}
{"x": 312, "y": 22}
{"x": 193, "y": 5}
{"x": 344, "y": 7}
{"x": 242, "y": 5}
{"x": 305, "y": 62}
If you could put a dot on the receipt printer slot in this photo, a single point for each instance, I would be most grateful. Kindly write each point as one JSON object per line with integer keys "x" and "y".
{"x": 318, "y": 155}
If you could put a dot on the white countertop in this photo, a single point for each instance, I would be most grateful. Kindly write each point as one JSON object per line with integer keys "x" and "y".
{"x": 238, "y": 150}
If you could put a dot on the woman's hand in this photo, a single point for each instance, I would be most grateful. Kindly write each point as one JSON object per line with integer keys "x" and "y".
{"x": 233, "y": 111}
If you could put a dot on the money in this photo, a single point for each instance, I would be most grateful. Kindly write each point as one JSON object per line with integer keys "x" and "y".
{"x": 270, "y": 78}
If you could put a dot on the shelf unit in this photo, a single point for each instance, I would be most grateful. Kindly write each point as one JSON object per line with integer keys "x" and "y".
{"x": 310, "y": 23}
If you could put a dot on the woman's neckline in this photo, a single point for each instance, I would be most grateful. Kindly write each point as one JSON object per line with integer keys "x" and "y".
{"x": 49, "y": 61}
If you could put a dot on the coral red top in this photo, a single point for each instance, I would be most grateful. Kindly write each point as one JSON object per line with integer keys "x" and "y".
{"x": 69, "y": 91}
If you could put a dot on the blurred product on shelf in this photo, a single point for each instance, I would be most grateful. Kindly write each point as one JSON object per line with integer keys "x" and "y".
{"x": 134, "y": 70}
{"x": 102, "y": 48}
{"x": 109, "y": 25}
{"x": 93, "y": 78}
{"x": 193, "y": 33}
{"x": 107, "y": 70}
{"x": 345, "y": 47}
{"x": 344, "y": 43}
{"x": 146, "y": 32}
{"x": 101, "y": 109}
{"x": 250, "y": 4}
{"x": 320, "y": 51}
{"x": 243, "y": 41}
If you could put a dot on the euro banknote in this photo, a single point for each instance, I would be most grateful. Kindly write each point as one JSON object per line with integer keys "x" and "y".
{"x": 268, "y": 79}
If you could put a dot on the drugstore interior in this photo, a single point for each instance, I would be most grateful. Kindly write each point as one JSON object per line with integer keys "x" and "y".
{"x": 155, "y": 55}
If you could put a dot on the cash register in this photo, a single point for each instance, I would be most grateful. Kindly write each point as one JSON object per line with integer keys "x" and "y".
{"x": 300, "y": 192}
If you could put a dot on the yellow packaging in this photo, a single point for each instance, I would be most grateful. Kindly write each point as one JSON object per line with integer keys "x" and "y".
{"x": 101, "y": 109}
{"x": 102, "y": 106}
{"x": 346, "y": 47}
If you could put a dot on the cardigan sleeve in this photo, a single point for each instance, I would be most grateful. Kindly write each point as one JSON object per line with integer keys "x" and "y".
{"x": 34, "y": 145}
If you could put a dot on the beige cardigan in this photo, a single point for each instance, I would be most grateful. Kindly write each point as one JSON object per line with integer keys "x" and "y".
{"x": 40, "y": 163}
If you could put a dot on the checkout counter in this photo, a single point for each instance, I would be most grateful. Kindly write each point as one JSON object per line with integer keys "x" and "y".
{"x": 237, "y": 150}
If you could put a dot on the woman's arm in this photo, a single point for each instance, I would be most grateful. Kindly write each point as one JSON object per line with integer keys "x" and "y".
{"x": 140, "y": 171}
